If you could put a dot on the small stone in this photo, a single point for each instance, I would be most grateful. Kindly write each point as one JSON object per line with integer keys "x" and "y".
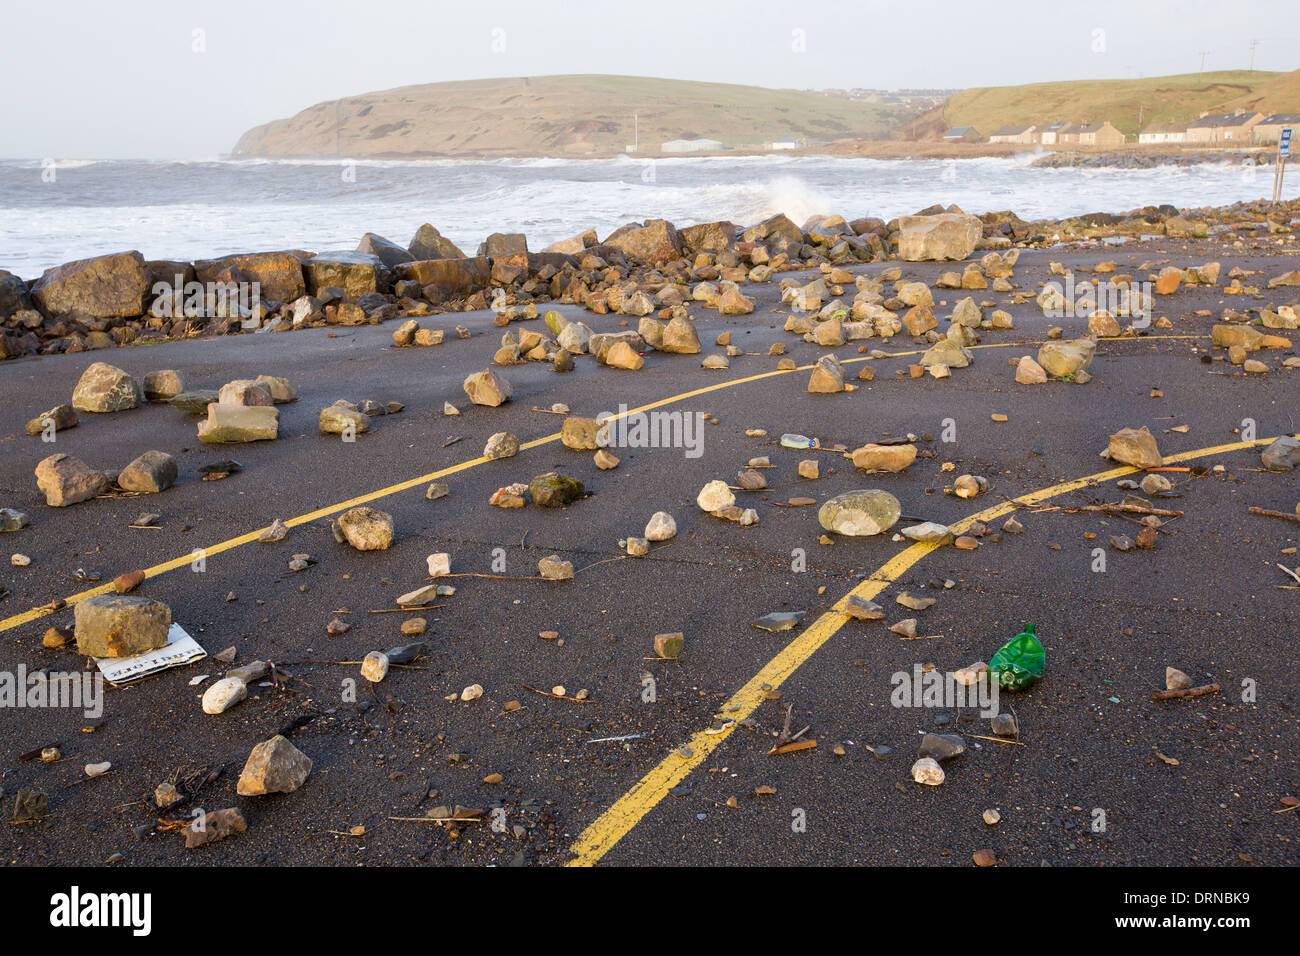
{"x": 942, "y": 746}
{"x": 984, "y": 858}
{"x": 669, "y": 646}
{"x": 927, "y": 771}
{"x": 1176, "y": 679}
{"x": 862, "y": 609}
{"x": 125, "y": 583}
{"x": 439, "y": 564}
{"x": 367, "y": 529}
{"x": 661, "y": 527}
{"x": 21, "y": 561}
{"x": 553, "y": 568}
{"x": 637, "y": 547}
{"x": 809, "y": 468}
{"x": 905, "y": 627}
{"x": 1004, "y": 725}
{"x": 991, "y": 817}
{"x": 374, "y": 666}
{"x": 472, "y": 692}
{"x": 605, "y": 460}
{"x": 436, "y": 490}
{"x": 714, "y": 496}
{"x": 501, "y": 445}
{"x": 223, "y": 695}
{"x": 166, "y": 795}
{"x": 914, "y": 603}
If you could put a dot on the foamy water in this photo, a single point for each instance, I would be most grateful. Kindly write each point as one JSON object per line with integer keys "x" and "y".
{"x": 192, "y": 210}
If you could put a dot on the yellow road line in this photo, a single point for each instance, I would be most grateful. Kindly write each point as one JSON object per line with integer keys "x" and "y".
{"x": 33, "y": 614}
{"x": 616, "y": 822}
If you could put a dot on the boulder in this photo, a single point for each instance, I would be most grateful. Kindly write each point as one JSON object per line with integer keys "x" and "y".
{"x": 855, "y": 513}
{"x": 447, "y": 278}
{"x": 152, "y": 472}
{"x": 1029, "y": 372}
{"x": 278, "y": 274}
{"x": 487, "y": 388}
{"x": 945, "y": 236}
{"x": 501, "y": 245}
{"x": 111, "y": 286}
{"x": 367, "y": 529}
{"x": 281, "y": 389}
{"x": 340, "y": 419}
{"x": 223, "y": 695}
{"x": 580, "y": 434}
{"x": 429, "y": 243}
{"x": 883, "y": 458}
{"x": 120, "y": 625}
{"x": 656, "y": 241}
{"x": 680, "y": 337}
{"x": 356, "y": 273}
{"x": 501, "y": 445}
{"x": 946, "y": 352}
{"x": 389, "y": 253}
{"x": 163, "y": 386}
{"x": 827, "y": 376}
{"x": 245, "y": 391}
{"x": 239, "y": 423}
{"x": 1134, "y": 446}
{"x": 1282, "y": 454}
{"x": 554, "y": 490}
{"x": 708, "y": 237}
{"x": 65, "y": 480}
{"x": 60, "y": 416}
{"x": 106, "y": 388}
{"x": 1067, "y": 357}
{"x": 274, "y": 766}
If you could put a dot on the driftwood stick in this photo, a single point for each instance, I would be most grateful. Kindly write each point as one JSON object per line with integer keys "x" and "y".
{"x": 1130, "y": 509}
{"x": 1189, "y": 692}
{"x": 1273, "y": 514}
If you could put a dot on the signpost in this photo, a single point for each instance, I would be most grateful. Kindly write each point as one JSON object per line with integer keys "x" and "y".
{"x": 1279, "y": 168}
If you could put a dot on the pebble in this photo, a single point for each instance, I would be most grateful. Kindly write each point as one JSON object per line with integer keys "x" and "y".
{"x": 472, "y": 692}
{"x": 223, "y": 695}
{"x": 20, "y": 560}
{"x": 927, "y": 771}
{"x": 991, "y": 817}
{"x": 660, "y": 527}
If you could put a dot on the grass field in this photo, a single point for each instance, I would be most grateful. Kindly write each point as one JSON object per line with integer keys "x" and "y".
{"x": 562, "y": 115}
{"x": 1128, "y": 104}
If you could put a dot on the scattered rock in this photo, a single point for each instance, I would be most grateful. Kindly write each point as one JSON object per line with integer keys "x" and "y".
{"x": 367, "y": 529}
{"x": 274, "y": 766}
{"x": 111, "y": 625}
{"x": 223, "y": 695}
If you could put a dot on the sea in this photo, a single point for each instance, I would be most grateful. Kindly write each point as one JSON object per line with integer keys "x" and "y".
{"x": 57, "y": 211}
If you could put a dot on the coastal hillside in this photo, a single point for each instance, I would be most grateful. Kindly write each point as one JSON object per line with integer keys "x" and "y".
{"x": 563, "y": 115}
{"x": 1128, "y": 104}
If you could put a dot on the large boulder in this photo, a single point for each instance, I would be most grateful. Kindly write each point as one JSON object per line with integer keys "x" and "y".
{"x": 106, "y": 388}
{"x": 656, "y": 241}
{"x": 575, "y": 245}
{"x": 855, "y": 513}
{"x": 429, "y": 243}
{"x": 389, "y": 253}
{"x": 278, "y": 274}
{"x": 945, "y": 236}
{"x": 367, "y": 529}
{"x": 708, "y": 237}
{"x": 778, "y": 230}
{"x": 112, "y": 286}
{"x": 487, "y": 388}
{"x": 356, "y": 273}
{"x": 448, "y": 278}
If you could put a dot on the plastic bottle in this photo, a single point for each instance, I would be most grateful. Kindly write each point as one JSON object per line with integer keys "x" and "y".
{"x": 799, "y": 441}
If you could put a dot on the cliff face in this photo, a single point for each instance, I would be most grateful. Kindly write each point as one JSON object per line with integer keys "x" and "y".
{"x": 562, "y": 115}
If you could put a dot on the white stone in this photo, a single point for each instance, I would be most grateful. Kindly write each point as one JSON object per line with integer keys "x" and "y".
{"x": 223, "y": 695}
{"x": 660, "y": 527}
{"x": 715, "y": 496}
{"x": 374, "y": 666}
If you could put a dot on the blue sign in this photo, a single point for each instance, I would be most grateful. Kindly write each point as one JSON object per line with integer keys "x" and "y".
{"x": 1284, "y": 144}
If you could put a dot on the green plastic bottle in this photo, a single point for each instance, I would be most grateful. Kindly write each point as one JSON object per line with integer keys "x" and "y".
{"x": 1020, "y": 661}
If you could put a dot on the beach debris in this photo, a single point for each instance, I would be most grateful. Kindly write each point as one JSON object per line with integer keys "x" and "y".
{"x": 778, "y": 621}
{"x": 366, "y": 529}
{"x": 112, "y": 625}
{"x": 223, "y": 695}
{"x": 1020, "y": 662}
{"x": 211, "y": 827}
{"x": 856, "y": 513}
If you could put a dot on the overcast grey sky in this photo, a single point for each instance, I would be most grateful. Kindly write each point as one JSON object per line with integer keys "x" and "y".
{"x": 105, "y": 79}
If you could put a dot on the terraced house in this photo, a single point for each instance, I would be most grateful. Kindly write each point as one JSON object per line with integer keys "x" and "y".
{"x": 1234, "y": 128}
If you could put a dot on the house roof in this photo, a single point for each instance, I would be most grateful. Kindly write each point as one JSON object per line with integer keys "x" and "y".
{"x": 1013, "y": 130}
{"x": 960, "y": 131}
{"x": 1054, "y": 126}
{"x": 1219, "y": 120}
{"x": 1278, "y": 119}
{"x": 1166, "y": 128}
{"x": 1088, "y": 127}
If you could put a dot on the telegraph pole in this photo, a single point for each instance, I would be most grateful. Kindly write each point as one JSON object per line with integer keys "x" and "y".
{"x": 1204, "y": 54}
{"x": 1252, "y": 55}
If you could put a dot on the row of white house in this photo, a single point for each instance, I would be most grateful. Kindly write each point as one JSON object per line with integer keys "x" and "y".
{"x": 1231, "y": 129}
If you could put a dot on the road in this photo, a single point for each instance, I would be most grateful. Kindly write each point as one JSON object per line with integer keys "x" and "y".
{"x": 1205, "y": 600}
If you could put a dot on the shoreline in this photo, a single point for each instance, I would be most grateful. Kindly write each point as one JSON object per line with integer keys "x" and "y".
{"x": 114, "y": 300}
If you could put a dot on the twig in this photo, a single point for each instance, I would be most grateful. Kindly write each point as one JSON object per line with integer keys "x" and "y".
{"x": 1273, "y": 514}
{"x": 997, "y": 740}
{"x": 1189, "y": 692}
{"x": 406, "y": 610}
{"x": 546, "y": 693}
{"x": 1131, "y": 509}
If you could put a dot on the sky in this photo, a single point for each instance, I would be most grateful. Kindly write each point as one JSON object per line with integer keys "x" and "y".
{"x": 182, "y": 79}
